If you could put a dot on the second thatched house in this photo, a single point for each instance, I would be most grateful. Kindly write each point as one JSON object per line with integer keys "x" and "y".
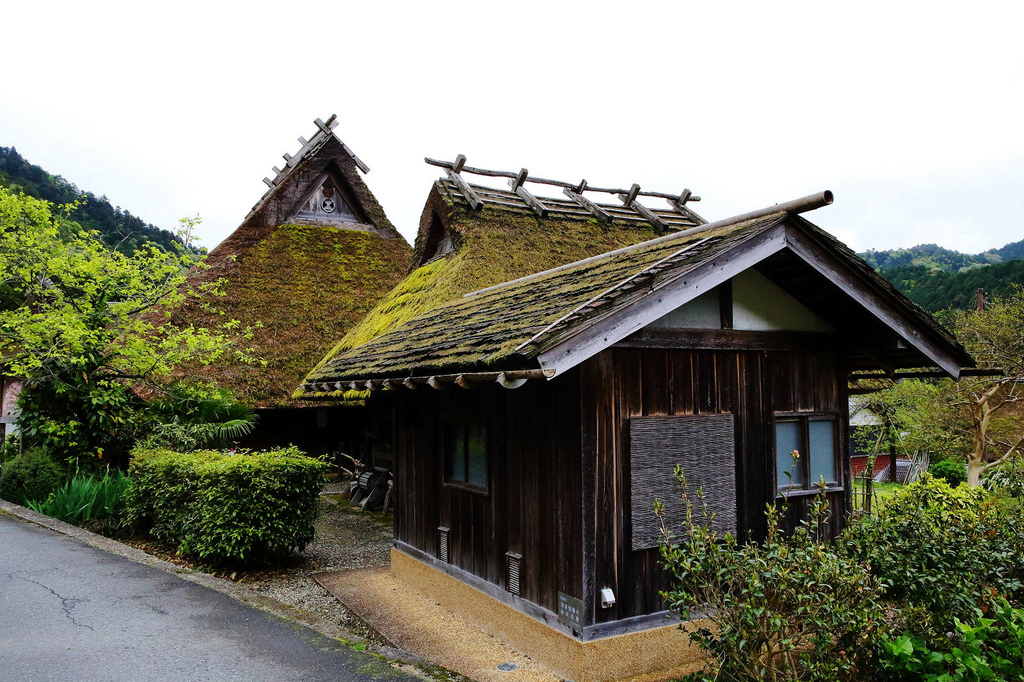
{"x": 309, "y": 261}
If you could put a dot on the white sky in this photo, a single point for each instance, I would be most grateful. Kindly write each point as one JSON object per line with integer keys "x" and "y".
{"x": 910, "y": 112}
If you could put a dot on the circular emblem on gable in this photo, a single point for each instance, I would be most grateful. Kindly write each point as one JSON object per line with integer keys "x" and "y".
{"x": 327, "y": 205}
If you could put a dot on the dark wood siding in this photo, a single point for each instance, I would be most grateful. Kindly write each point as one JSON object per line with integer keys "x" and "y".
{"x": 620, "y": 383}
{"x": 533, "y": 503}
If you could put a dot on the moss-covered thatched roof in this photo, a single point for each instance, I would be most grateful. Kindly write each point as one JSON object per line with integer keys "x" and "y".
{"x": 505, "y": 327}
{"x": 488, "y": 247}
{"x": 301, "y": 285}
{"x": 516, "y": 325}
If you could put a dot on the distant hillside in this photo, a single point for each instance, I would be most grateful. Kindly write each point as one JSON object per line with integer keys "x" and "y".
{"x": 935, "y": 257}
{"x": 936, "y": 290}
{"x": 115, "y": 225}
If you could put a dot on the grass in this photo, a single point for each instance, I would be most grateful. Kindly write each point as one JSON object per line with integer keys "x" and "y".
{"x": 85, "y": 499}
{"x": 882, "y": 491}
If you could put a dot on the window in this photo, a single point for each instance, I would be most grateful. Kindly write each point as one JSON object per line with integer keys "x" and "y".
{"x": 465, "y": 451}
{"x": 814, "y": 438}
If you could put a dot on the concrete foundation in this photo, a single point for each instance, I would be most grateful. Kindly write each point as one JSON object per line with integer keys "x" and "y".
{"x": 656, "y": 653}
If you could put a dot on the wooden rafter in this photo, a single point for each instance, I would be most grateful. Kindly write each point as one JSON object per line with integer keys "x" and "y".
{"x": 477, "y": 196}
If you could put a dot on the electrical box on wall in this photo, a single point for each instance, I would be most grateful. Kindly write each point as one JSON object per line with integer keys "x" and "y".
{"x": 607, "y": 598}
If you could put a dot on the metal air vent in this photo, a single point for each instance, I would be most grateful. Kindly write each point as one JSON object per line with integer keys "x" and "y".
{"x": 513, "y": 564}
{"x": 442, "y": 544}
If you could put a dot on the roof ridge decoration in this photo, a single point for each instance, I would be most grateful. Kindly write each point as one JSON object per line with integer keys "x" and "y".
{"x": 677, "y": 217}
{"x": 325, "y": 131}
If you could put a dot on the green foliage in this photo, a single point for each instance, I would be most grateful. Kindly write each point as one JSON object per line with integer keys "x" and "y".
{"x": 952, "y": 472}
{"x": 194, "y": 415}
{"x": 942, "y": 552}
{"x": 87, "y": 499}
{"x": 909, "y": 412}
{"x": 33, "y": 475}
{"x": 10, "y": 448}
{"x": 85, "y": 324}
{"x": 226, "y": 508}
{"x": 937, "y": 290}
{"x": 984, "y": 649}
{"x": 790, "y": 608}
{"x": 935, "y": 257}
{"x": 115, "y": 226}
{"x": 1006, "y": 480}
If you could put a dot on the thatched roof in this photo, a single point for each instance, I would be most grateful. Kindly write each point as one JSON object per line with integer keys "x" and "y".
{"x": 459, "y": 250}
{"x": 555, "y": 319}
{"x": 304, "y": 280}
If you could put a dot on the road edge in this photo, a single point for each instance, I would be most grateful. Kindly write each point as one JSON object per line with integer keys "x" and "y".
{"x": 409, "y": 661}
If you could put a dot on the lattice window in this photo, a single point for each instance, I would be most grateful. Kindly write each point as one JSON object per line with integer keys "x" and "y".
{"x": 704, "y": 446}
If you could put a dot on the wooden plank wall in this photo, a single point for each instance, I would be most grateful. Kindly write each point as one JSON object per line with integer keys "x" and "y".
{"x": 533, "y": 504}
{"x": 620, "y": 383}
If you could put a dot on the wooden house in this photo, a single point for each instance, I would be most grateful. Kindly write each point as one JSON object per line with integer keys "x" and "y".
{"x": 311, "y": 258}
{"x": 537, "y": 420}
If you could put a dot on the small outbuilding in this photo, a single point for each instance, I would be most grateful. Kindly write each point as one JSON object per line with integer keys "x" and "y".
{"x": 536, "y": 420}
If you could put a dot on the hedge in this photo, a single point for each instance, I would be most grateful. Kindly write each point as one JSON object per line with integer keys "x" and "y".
{"x": 247, "y": 507}
{"x": 29, "y": 477}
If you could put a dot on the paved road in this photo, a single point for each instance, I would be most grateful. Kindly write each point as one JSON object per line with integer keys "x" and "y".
{"x": 69, "y": 611}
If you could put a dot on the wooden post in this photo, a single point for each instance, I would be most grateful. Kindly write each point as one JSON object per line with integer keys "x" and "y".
{"x": 869, "y": 491}
{"x": 892, "y": 462}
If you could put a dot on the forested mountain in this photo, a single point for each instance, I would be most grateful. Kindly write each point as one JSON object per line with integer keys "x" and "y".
{"x": 936, "y": 290}
{"x": 116, "y": 226}
{"x": 937, "y": 278}
{"x": 935, "y": 257}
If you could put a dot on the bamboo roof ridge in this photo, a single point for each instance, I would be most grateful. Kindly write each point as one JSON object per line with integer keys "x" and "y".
{"x": 677, "y": 216}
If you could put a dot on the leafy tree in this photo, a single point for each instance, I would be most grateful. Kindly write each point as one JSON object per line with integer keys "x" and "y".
{"x": 983, "y": 405}
{"x": 90, "y": 327}
{"x": 909, "y": 412}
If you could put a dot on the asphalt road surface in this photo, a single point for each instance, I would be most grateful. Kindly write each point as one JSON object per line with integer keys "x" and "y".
{"x": 69, "y": 611}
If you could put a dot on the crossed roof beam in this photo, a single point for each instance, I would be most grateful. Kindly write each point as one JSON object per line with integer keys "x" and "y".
{"x": 573, "y": 190}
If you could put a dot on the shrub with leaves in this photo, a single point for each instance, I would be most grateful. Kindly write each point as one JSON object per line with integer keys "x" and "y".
{"x": 87, "y": 500}
{"x": 984, "y": 649}
{"x": 1007, "y": 480}
{"x": 942, "y": 552}
{"x": 951, "y": 471}
{"x": 195, "y": 415}
{"x": 789, "y": 608}
{"x": 224, "y": 508}
{"x": 32, "y": 475}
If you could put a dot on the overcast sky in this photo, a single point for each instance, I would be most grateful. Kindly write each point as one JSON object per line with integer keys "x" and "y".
{"x": 910, "y": 113}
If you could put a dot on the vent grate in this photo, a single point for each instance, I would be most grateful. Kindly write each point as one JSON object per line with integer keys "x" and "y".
{"x": 442, "y": 544}
{"x": 513, "y": 564}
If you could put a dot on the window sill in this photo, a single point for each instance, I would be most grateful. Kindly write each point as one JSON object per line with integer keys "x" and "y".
{"x": 466, "y": 488}
{"x": 802, "y": 492}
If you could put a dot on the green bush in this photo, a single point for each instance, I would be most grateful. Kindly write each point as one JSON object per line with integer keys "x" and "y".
{"x": 10, "y": 448}
{"x": 989, "y": 649}
{"x": 942, "y": 552}
{"x": 951, "y": 471}
{"x": 790, "y": 608}
{"x": 226, "y": 508}
{"x": 29, "y": 477}
{"x": 1007, "y": 479}
{"x": 87, "y": 500}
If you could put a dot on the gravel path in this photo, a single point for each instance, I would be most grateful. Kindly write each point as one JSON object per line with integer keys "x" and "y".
{"x": 345, "y": 538}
